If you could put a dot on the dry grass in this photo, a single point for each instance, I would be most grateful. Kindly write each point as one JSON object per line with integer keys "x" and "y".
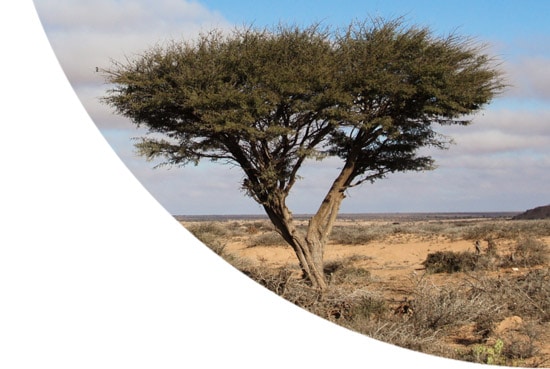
{"x": 455, "y": 308}
{"x": 527, "y": 252}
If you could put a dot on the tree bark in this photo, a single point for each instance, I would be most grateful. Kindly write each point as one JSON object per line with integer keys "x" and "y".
{"x": 308, "y": 252}
{"x": 309, "y": 248}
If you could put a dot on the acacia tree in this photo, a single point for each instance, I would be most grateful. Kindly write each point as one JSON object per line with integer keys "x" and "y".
{"x": 267, "y": 100}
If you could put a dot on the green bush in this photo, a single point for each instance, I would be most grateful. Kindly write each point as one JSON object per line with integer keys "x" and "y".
{"x": 491, "y": 355}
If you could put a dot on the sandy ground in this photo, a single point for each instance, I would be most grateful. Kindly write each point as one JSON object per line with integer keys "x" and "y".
{"x": 394, "y": 264}
{"x": 390, "y": 259}
{"x": 386, "y": 259}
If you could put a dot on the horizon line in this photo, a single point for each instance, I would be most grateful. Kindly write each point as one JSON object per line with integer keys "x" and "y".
{"x": 367, "y": 214}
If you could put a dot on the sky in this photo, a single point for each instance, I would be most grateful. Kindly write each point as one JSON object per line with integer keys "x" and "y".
{"x": 499, "y": 163}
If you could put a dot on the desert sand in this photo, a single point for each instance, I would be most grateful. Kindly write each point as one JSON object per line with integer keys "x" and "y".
{"x": 394, "y": 263}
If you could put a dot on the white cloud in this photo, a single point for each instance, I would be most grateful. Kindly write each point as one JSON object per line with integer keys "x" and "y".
{"x": 86, "y": 34}
{"x": 516, "y": 121}
{"x": 498, "y": 131}
{"x": 529, "y": 77}
{"x": 495, "y": 141}
{"x": 123, "y": 16}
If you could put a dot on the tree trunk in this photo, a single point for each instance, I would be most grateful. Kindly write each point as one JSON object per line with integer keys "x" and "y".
{"x": 309, "y": 248}
{"x": 308, "y": 251}
{"x": 315, "y": 263}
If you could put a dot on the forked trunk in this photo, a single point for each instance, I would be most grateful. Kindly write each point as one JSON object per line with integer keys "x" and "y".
{"x": 308, "y": 251}
{"x": 309, "y": 248}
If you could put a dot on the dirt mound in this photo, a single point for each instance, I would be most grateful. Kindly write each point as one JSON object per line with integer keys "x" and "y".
{"x": 541, "y": 212}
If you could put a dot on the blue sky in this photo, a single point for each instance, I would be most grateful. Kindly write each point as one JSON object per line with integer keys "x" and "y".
{"x": 498, "y": 19}
{"x": 500, "y": 163}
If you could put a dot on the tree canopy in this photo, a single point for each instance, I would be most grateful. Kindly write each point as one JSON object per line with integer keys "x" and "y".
{"x": 268, "y": 99}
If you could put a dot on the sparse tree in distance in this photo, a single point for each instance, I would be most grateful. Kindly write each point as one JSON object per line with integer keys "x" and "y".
{"x": 267, "y": 100}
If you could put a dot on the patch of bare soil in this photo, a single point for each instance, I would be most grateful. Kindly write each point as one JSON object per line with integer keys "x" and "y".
{"x": 394, "y": 263}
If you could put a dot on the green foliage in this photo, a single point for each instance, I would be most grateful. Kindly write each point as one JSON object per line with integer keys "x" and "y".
{"x": 268, "y": 99}
{"x": 491, "y": 355}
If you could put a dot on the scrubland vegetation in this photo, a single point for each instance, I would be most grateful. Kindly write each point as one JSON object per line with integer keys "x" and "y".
{"x": 490, "y": 306}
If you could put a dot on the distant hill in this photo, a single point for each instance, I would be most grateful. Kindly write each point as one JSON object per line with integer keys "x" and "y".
{"x": 541, "y": 212}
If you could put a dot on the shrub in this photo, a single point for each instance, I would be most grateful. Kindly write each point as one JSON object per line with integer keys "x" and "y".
{"x": 507, "y": 229}
{"x": 528, "y": 252}
{"x": 525, "y": 295}
{"x": 275, "y": 281}
{"x": 343, "y": 271}
{"x": 450, "y": 262}
{"x": 529, "y": 294}
{"x": 354, "y": 235}
{"x": 369, "y": 306}
{"x": 351, "y": 275}
{"x": 404, "y": 334}
{"x": 501, "y": 352}
{"x": 211, "y": 234}
{"x": 214, "y": 244}
{"x": 209, "y": 228}
{"x": 523, "y": 345}
{"x": 256, "y": 227}
{"x": 491, "y": 355}
{"x": 266, "y": 239}
{"x": 439, "y": 307}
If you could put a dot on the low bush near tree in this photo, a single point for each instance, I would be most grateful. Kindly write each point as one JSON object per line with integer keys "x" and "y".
{"x": 474, "y": 293}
